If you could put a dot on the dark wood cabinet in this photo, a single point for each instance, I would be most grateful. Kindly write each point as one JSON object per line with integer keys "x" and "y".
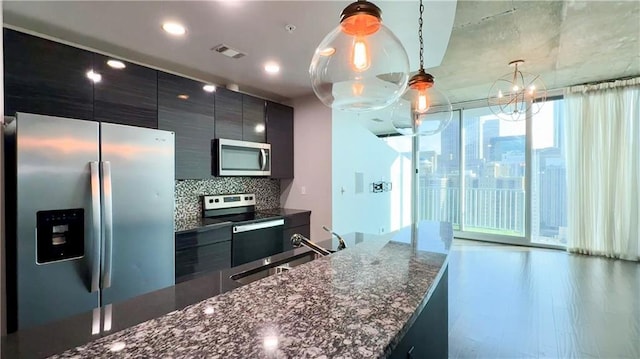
{"x": 186, "y": 109}
{"x": 428, "y": 336}
{"x": 296, "y": 223}
{"x": 228, "y": 114}
{"x": 127, "y": 96}
{"x": 253, "y": 121}
{"x": 50, "y": 78}
{"x": 46, "y": 77}
{"x": 279, "y": 124}
{"x": 239, "y": 116}
{"x": 202, "y": 251}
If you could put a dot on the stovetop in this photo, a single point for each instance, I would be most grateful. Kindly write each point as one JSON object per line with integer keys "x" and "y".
{"x": 242, "y": 217}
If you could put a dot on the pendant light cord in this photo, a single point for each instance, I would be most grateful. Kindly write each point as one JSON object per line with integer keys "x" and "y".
{"x": 420, "y": 36}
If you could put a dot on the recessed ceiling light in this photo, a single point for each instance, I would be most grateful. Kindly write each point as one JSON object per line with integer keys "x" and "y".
{"x": 174, "y": 28}
{"x": 209, "y": 88}
{"x": 259, "y": 128}
{"x": 116, "y": 64}
{"x": 183, "y": 97}
{"x": 272, "y": 68}
{"x": 94, "y": 76}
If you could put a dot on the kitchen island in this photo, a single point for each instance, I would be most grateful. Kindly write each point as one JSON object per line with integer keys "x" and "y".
{"x": 361, "y": 302}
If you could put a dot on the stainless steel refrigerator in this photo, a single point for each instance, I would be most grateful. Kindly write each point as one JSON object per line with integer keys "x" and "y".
{"x": 89, "y": 211}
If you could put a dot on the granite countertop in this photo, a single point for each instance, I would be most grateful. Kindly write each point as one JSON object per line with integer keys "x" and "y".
{"x": 324, "y": 294}
{"x": 356, "y": 303}
{"x": 284, "y": 211}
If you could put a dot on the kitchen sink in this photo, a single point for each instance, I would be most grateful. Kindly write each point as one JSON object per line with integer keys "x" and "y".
{"x": 272, "y": 268}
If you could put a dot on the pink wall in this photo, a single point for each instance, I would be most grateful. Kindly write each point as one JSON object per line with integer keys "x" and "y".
{"x": 311, "y": 187}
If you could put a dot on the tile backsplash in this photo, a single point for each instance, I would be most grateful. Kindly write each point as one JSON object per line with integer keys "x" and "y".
{"x": 188, "y": 193}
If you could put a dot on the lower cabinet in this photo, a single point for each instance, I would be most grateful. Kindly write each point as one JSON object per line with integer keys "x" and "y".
{"x": 202, "y": 252}
{"x": 296, "y": 223}
{"x": 428, "y": 337}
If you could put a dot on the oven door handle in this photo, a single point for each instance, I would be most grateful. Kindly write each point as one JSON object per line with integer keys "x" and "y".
{"x": 260, "y": 225}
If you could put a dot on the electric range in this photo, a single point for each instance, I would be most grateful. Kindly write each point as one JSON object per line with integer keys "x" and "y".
{"x": 255, "y": 235}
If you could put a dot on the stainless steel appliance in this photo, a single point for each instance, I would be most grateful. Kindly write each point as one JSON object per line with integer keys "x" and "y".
{"x": 241, "y": 158}
{"x": 89, "y": 215}
{"x": 255, "y": 235}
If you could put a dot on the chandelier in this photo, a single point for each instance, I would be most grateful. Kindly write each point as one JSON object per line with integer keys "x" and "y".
{"x": 517, "y": 93}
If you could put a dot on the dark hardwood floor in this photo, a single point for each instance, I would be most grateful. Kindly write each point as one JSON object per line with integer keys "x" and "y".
{"x": 519, "y": 302}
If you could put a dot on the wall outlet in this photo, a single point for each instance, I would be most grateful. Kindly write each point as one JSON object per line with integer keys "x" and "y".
{"x": 303, "y": 189}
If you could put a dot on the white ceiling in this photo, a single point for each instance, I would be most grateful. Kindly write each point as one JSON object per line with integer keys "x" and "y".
{"x": 131, "y": 29}
{"x": 468, "y": 44}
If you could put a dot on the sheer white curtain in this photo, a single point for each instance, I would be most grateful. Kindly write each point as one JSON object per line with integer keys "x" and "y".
{"x": 603, "y": 168}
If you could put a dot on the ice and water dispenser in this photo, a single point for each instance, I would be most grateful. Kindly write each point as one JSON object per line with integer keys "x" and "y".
{"x": 60, "y": 235}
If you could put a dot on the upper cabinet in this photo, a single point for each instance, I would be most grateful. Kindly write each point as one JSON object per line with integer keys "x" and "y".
{"x": 50, "y": 78}
{"x": 126, "y": 94}
{"x": 46, "y": 77}
{"x": 253, "y": 126}
{"x": 280, "y": 136}
{"x": 239, "y": 116}
{"x": 185, "y": 108}
{"x": 228, "y": 114}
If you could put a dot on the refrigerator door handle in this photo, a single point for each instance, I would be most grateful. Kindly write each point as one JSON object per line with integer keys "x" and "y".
{"x": 95, "y": 226}
{"x": 108, "y": 223}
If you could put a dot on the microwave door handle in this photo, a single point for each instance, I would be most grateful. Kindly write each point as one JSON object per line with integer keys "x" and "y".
{"x": 263, "y": 160}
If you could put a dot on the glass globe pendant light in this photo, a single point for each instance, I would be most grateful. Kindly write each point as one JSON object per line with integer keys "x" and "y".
{"x": 422, "y": 109}
{"x": 512, "y": 95}
{"x": 360, "y": 65}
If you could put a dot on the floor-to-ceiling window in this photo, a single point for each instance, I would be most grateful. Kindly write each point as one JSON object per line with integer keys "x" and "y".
{"x": 494, "y": 179}
{"x": 439, "y": 172}
{"x": 548, "y": 180}
{"x": 439, "y": 186}
{"x": 494, "y": 174}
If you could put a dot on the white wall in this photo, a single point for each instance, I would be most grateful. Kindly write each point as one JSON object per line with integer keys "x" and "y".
{"x": 311, "y": 187}
{"x": 357, "y": 150}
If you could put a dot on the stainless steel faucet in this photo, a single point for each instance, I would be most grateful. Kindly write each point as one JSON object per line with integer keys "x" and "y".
{"x": 298, "y": 239}
{"x": 342, "y": 244}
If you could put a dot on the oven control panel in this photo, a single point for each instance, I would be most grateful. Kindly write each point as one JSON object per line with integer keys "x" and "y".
{"x": 228, "y": 201}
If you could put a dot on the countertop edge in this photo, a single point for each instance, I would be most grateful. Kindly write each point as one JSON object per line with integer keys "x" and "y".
{"x": 201, "y": 228}
{"x": 423, "y": 304}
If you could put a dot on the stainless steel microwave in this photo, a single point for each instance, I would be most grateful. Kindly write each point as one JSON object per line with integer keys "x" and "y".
{"x": 241, "y": 158}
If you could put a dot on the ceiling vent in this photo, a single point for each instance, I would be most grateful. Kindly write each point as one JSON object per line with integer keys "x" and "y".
{"x": 227, "y": 51}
